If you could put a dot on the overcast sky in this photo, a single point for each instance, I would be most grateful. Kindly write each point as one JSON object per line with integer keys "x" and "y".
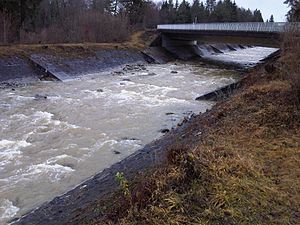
{"x": 267, "y": 7}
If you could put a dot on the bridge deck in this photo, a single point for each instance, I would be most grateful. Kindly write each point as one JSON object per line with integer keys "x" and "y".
{"x": 233, "y": 27}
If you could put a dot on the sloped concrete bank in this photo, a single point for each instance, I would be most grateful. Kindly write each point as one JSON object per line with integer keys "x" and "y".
{"x": 29, "y": 68}
{"x": 17, "y": 70}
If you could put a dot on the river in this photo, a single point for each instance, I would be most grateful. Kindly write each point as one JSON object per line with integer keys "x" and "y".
{"x": 49, "y": 145}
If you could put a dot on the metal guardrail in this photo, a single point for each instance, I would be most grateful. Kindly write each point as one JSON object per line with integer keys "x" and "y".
{"x": 245, "y": 27}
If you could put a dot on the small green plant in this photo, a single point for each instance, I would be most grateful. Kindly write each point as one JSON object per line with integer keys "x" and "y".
{"x": 124, "y": 184}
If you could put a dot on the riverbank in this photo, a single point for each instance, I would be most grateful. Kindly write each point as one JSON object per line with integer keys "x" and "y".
{"x": 74, "y": 130}
{"x": 204, "y": 154}
{"x": 137, "y": 41}
{"x": 23, "y": 64}
{"x": 236, "y": 164}
{"x": 26, "y": 64}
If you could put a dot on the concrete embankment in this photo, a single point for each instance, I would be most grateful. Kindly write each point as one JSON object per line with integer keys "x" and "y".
{"x": 17, "y": 69}
{"x": 37, "y": 66}
{"x": 66, "y": 69}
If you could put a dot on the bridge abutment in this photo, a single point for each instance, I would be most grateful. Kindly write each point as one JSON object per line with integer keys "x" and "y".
{"x": 183, "y": 49}
{"x": 169, "y": 42}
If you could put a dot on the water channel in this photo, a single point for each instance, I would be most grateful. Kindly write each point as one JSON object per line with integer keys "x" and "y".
{"x": 49, "y": 145}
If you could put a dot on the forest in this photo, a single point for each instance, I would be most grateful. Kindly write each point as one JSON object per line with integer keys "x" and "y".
{"x": 73, "y": 21}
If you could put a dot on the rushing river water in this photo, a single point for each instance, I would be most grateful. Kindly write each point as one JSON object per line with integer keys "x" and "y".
{"x": 48, "y": 146}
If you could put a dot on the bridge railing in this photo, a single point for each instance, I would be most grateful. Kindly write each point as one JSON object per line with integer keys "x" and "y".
{"x": 245, "y": 27}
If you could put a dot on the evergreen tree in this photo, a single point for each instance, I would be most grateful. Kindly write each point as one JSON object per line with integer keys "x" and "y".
{"x": 167, "y": 12}
{"x": 163, "y": 13}
{"x": 176, "y": 5}
{"x": 22, "y": 12}
{"x": 171, "y": 12}
{"x": 246, "y": 16}
{"x": 294, "y": 13}
{"x": 210, "y": 5}
{"x": 134, "y": 9}
{"x": 271, "y": 19}
{"x": 225, "y": 11}
{"x": 234, "y": 12}
{"x": 183, "y": 13}
{"x": 198, "y": 12}
{"x": 219, "y": 13}
{"x": 151, "y": 16}
{"x": 257, "y": 16}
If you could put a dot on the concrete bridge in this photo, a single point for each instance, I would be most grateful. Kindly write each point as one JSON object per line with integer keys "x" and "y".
{"x": 258, "y": 34}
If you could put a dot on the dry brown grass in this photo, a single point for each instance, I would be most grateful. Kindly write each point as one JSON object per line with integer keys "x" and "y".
{"x": 244, "y": 170}
{"x": 291, "y": 59}
{"x": 136, "y": 42}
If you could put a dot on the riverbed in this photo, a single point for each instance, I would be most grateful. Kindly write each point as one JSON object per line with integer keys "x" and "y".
{"x": 54, "y": 135}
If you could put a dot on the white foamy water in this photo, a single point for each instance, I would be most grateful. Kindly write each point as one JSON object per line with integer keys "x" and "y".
{"x": 238, "y": 57}
{"x": 48, "y": 146}
{"x": 7, "y": 209}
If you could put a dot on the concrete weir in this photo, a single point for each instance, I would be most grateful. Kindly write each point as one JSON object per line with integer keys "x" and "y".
{"x": 186, "y": 49}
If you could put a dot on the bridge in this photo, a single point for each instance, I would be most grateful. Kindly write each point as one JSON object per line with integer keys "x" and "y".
{"x": 254, "y": 33}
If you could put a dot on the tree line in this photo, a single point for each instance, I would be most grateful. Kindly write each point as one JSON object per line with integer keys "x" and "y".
{"x": 210, "y": 11}
{"x": 54, "y": 21}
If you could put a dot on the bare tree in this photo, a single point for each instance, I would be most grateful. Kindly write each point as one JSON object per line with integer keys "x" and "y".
{"x": 75, "y": 21}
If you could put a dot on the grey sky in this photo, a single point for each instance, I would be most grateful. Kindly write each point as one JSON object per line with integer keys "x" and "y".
{"x": 267, "y": 7}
